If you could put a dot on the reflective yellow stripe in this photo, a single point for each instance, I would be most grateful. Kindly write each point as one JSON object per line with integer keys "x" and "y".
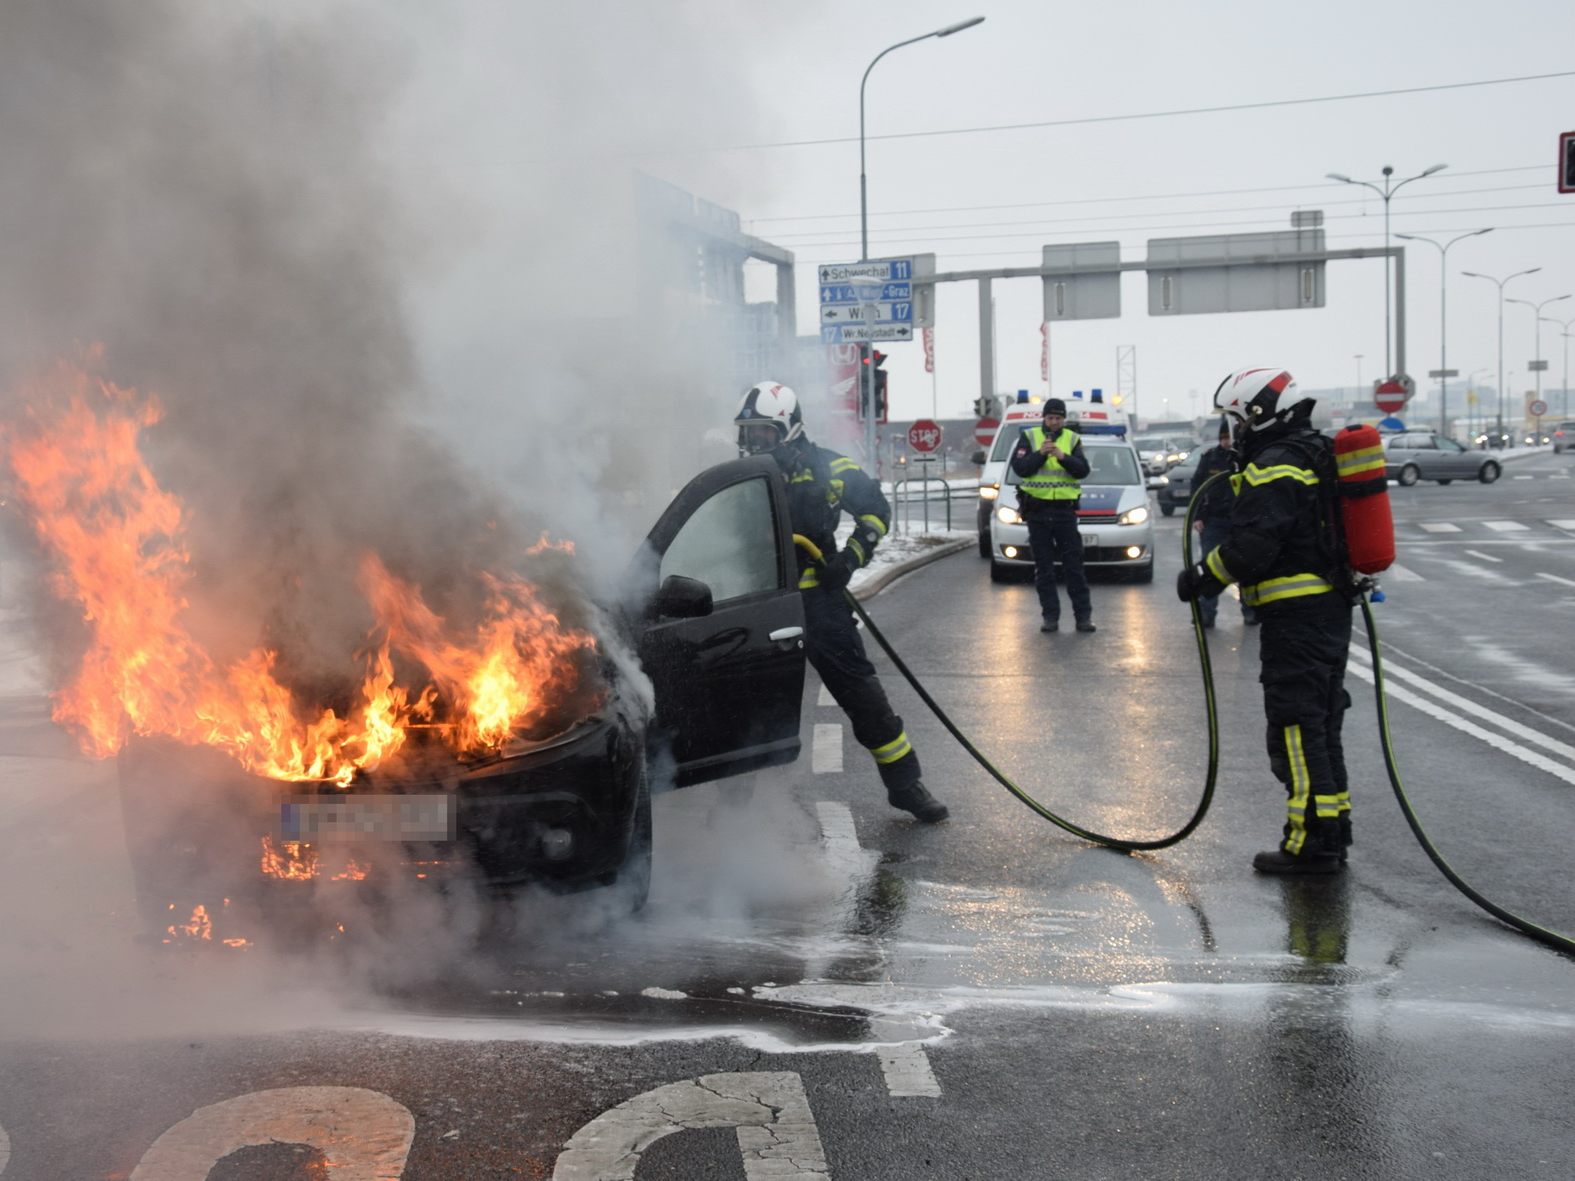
{"x": 802, "y": 477}
{"x": 1294, "y": 586}
{"x": 1367, "y": 469}
{"x": 809, "y": 578}
{"x": 1216, "y": 567}
{"x": 1256, "y": 475}
{"x": 834, "y": 492}
{"x": 1328, "y": 807}
{"x": 1052, "y": 482}
{"x": 843, "y": 464}
{"x": 858, "y": 550}
{"x": 893, "y": 750}
{"x": 1366, "y": 459}
{"x": 1296, "y": 810}
{"x": 874, "y": 523}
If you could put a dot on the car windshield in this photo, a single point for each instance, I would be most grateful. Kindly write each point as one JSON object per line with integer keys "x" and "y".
{"x": 1106, "y": 465}
{"x": 1005, "y": 439}
{"x": 1151, "y": 443}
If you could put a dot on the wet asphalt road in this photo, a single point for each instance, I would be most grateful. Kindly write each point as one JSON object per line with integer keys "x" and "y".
{"x": 821, "y": 988}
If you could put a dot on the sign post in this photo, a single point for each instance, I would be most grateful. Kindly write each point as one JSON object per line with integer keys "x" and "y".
{"x": 924, "y": 436}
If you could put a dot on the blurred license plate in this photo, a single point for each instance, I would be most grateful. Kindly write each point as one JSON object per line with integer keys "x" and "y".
{"x": 1090, "y": 540}
{"x": 352, "y": 819}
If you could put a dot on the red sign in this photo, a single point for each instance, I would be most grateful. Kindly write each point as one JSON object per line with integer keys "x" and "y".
{"x": 1389, "y": 396}
{"x": 925, "y": 435}
{"x": 929, "y": 350}
{"x": 984, "y": 430}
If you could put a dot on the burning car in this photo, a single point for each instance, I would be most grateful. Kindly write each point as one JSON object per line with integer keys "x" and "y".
{"x": 516, "y": 746}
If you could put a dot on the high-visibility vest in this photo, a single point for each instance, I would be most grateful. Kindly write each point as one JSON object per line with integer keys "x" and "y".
{"x": 1052, "y": 482}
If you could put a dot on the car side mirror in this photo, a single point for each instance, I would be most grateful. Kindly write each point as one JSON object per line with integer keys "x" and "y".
{"x": 683, "y": 598}
{"x": 977, "y": 457}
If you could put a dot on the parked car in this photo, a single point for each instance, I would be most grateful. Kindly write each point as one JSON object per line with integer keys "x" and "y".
{"x": 1114, "y": 519}
{"x": 1563, "y": 435}
{"x": 711, "y": 605}
{"x": 1176, "y": 490}
{"x": 1410, "y": 456}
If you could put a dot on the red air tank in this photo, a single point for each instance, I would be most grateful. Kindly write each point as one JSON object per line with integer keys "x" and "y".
{"x": 1364, "y": 499}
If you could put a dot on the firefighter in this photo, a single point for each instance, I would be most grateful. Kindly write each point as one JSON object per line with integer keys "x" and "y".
{"x": 1284, "y": 549}
{"x": 822, "y": 485}
{"x": 1050, "y": 466}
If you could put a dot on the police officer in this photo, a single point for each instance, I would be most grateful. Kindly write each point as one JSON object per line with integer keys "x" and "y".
{"x": 1283, "y": 547}
{"x": 822, "y": 485}
{"x": 1211, "y": 515}
{"x": 1050, "y": 467}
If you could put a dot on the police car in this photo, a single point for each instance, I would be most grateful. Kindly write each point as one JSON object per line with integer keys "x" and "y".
{"x": 1114, "y": 516}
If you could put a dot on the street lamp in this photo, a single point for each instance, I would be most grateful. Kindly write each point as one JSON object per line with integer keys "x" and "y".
{"x": 1358, "y": 357}
{"x": 1501, "y": 282}
{"x": 1537, "y": 328}
{"x": 867, "y": 369}
{"x": 1388, "y": 191}
{"x": 1443, "y": 282}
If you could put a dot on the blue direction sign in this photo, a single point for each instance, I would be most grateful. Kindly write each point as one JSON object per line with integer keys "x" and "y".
{"x": 866, "y": 301}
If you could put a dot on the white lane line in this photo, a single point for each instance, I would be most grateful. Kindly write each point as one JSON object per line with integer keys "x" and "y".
{"x": 1440, "y": 527}
{"x": 1555, "y": 578}
{"x": 1563, "y": 524}
{"x": 5, "y": 1150}
{"x": 826, "y": 754}
{"x": 1401, "y": 574}
{"x": 1525, "y": 477}
{"x": 907, "y": 1071}
{"x": 824, "y": 697}
{"x": 837, "y": 832}
{"x": 1508, "y": 725}
{"x": 1476, "y": 553}
{"x": 1505, "y": 526}
{"x": 1397, "y": 693}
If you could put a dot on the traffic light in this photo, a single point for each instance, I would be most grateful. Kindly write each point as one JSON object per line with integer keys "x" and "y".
{"x": 879, "y": 382}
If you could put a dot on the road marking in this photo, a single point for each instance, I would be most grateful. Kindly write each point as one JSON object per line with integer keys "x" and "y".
{"x": 777, "y": 1136}
{"x": 1525, "y": 477}
{"x": 826, "y": 752}
{"x": 5, "y": 1150}
{"x": 1476, "y": 553}
{"x": 824, "y": 697}
{"x": 837, "y": 832}
{"x": 907, "y": 1071}
{"x": 1555, "y": 578}
{"x": 1505, "y": 526}
{"x": 363, "y": 1135}
{"x": 1440, "y": 527}
{"x": 1563, "y": 524}
{"x": 1563, "y": 771}
{"x": 1401, "y": 574}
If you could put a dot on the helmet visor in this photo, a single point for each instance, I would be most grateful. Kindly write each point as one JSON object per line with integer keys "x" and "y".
{"x": 759, "y": 438}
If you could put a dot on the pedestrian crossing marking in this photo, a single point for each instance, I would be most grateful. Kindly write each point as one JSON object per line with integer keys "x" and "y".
{"x": 1505, "y": 526}
{"x": 907, "y": 1071}
{"x": 1563, "y": 524}
{"x": 826, "y": 752}
{"x": 1556, "y": 578}
{"x": 1476, "y": 553}
{"x": 1440, "y": 527}
{"x": 1401, "y": 574}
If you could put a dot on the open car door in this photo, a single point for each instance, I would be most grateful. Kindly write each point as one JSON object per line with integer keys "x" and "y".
{"x": 721, "y": 627}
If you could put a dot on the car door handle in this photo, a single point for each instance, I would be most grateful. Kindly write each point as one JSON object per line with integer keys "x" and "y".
{"x": 786, "y": 633}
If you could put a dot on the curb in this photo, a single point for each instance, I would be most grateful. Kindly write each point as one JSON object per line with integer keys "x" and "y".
{"x": 868, "y": 590}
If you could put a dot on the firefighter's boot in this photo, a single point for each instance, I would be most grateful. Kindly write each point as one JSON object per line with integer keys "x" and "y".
{"x": 1306, "y": 863}
{"x": 916, "y": 798}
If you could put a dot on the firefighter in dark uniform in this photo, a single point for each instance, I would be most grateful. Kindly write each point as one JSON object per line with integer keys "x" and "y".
{"x": 1211, "y": 515}
{"x": 1050, "y": 467}
{"x": 1284, "y": 549}
{"x": 822, "y": 485}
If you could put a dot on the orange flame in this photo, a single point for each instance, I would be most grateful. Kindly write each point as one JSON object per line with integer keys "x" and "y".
{"x": 116, "y": 541}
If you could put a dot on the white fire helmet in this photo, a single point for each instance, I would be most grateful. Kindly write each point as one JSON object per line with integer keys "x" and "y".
{"x": 768, "y": 404}
{"x": 1256, "y": 398}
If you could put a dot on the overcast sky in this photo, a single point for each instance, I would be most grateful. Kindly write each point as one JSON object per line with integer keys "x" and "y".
{"x": 995, "y": 197}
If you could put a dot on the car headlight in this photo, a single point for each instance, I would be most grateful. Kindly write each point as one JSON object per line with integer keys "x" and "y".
{"x": 988, "y": 492}
{"x": 1007, "y": 515}
{"x": 1133, "y": 516}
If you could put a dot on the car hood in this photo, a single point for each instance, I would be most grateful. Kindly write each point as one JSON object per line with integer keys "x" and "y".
{"x": 1111, "y": 498}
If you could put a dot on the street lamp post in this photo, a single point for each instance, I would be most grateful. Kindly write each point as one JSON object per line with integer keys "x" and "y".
{"x": 1500, "y": 283}
{"x": 1358, "y": 357}
{"x": 867, "y": 369}
{"x": 1443, "y": 283}
{"x": 1564, "y": 388}
{"x": 1537, "y": 329}
{"x": 1388, "y": 191}
{"x": 1471, "y": 392}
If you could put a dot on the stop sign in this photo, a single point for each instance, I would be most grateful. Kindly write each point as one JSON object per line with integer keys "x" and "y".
{"x": 984, "y": 430}
{"x": 1389, "y": 396}
{"x": 924, "y": 435}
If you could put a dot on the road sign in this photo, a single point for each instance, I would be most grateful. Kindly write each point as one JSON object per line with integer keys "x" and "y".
{"x": 1391, "y": 393}
{"x": 1095, "y": 294}
{"x": 900, "y": 313}
{"x": 1443, "y": 373}
{"x": 1536, "y": 408}
{"x": 924, "y": 435}
{"x": 860, "y": 333}
{"x": 1249, "y": 277}
{"x": 1567, "y": 162}
{"x": 984, "y": 430}
{"x": 1536, "y": 366}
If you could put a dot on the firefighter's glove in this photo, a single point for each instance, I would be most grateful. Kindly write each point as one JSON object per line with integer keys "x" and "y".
{"x": 1197, "y": 583}
{"x": 838, "y": 570}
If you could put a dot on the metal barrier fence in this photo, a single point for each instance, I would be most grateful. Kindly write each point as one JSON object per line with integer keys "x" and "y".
{"x": 903, "y": 496}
